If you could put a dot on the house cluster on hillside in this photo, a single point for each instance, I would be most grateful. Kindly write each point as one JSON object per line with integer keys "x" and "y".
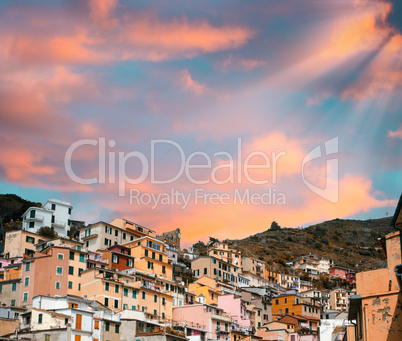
{"x": 122, "y": 281}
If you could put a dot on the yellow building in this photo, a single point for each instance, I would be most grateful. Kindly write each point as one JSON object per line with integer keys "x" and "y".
{"x": 210, "y": 294}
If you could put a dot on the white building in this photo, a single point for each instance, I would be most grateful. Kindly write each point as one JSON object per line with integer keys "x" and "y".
{"x": 49, "y": 312}
{"x": 54, "y": 213}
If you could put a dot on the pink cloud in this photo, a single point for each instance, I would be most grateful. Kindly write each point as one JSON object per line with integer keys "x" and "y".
{"x": 189, "y": 84}
{"x": 397, "y": 134}
{"x": 242, "y": 64}
{"x": 101, "y": 12}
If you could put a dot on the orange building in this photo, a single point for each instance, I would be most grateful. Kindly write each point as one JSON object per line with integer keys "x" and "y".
{"x": 377, "y": 307}
{"x": 55, "y": 271}
{"x": 296, "y": 305}
{"x": 151, "y": 256}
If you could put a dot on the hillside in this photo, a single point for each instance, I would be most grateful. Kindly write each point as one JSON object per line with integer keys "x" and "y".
{"x": 349, "y": 243}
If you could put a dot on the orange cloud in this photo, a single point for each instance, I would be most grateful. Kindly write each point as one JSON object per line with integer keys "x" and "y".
{"x": 383, "y": 75}
{"x": 156, "y": 40}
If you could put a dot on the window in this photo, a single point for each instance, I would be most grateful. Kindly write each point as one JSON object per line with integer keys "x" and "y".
{"x": 53, "y": 219}
{"x": 60, "y": 256}
{"x": 69, "y": 210}
{"x": 108, "y": 230}
{"x": 108, "y": 242}
{"x": 27, "y": 266}
{"x": 32, "y": 213}
{"x": 134, "y": 293}
{"x": 153, "y": 255}
{"x": 68, "y": 222}
{"x": 155, "y": 298}
{"x": 146, "y": 253}
{"x": 96, "y": 324}
{"x": 205, "y": 271}
{"x": 40, "y": 316}
{"x": 155, "y": 312}
{"x": 1, "y": 288}
{"x": 70, "y": 285}
{"x": 131, "y": 238}
{"x": 116, "y": 328}
{"x": 82, "y": 258}
{"x": 286, "y": 310}
{"x": 14, "y": 287}
{"x": 71, "y": 255}
{"x": 116, "y": 304}
{"x": 30, "y": 240}
{"x": 143, "y": 295}
{"x": 12, "y": 303}
{"x": 286, "y": 300}
{"x": 106, "y": 301}
{"x": 80, "y": 271}
{"x": 107, "y": 286}
{"x": 115, "y": 259}
{"x": 71, "y": 270}
{"x": 130, "y": 263}
{"x": 31, "y": 224}
{"x": 78, "y": 321}
{"x": 124, "y": 235}
{"x": 59, "y": 270}
{"x": 25, "y": 297}
{"x": 26, "y": 281}
{"x": 116, "y": 233}
{"x": 53, "y": 207}
{"x": 57, "y": 285}
{"x": 150, "y": 265}
{"x": 163, "y": 301}
{"x": 47, "y": 337}
{"x": 107, "y": 326}
{"x": 125, "y": 292}
{"x": 116, "y": 288}
{"x": 133, "y": 307}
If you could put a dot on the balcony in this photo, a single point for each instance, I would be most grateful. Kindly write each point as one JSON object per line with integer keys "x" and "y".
{"x": 91, "y": 236}
{"x": 37, "y": 217}
{"x": 95, "y": 257}
{"x": 59, "y": 223}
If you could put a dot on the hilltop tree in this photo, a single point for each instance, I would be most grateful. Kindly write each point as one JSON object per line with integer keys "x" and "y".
{"x": 275, "y": 226}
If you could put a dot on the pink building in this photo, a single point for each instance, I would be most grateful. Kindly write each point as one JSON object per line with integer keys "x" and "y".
{"x": 218, "y": 323}
{"x": 237, "y": 309}
{"x": 351, "y": 277}
{"x": 338, "y": 271}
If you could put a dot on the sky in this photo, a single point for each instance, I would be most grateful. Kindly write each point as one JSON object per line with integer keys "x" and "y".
{"x": 284, "y": 111}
